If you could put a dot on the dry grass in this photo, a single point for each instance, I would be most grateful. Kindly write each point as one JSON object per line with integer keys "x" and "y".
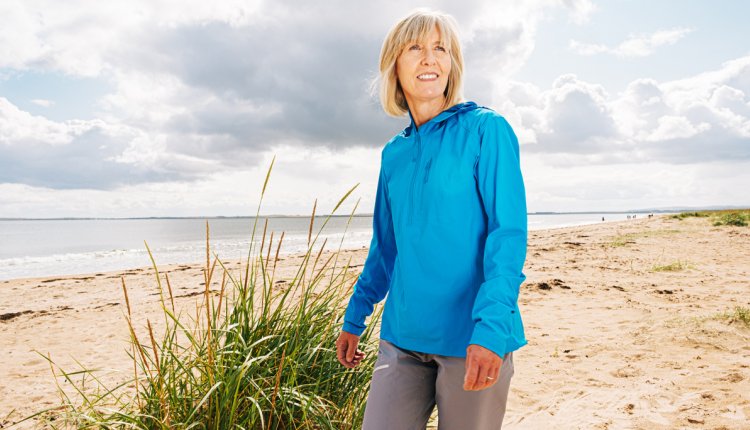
{"x": 739, "y": 314}
{"x": 672, "y": 267}
{"x": 629, "y": 238}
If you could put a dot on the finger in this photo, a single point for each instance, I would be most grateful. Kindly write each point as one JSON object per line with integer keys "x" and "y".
{"x": 494, "y": 374}
{"x": 482, "y": 380}
{"x": 471, "y": 374}
{"x": 358, "y": 356}
{"x": 339, "y": 351}
{"x": 351, "y": 349}
{"x": 496, "y": 369}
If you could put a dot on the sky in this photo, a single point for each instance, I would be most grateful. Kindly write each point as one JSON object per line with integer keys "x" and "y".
{"x": 146, "y": 108}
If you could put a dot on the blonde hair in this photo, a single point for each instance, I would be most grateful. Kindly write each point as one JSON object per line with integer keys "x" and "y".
{"x": 417, "y": 26}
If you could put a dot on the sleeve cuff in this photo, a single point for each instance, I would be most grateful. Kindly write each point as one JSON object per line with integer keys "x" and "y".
{"x": 353, "y": 329}
{"x": 490, "y": 339}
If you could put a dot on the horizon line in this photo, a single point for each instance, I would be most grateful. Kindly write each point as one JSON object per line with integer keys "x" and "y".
{"x": 636, "y": 211}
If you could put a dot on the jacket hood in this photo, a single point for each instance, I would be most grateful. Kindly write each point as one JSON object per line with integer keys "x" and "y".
{"x": 441, "y": 117}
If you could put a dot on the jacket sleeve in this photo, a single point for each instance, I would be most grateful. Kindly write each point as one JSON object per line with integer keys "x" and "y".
{"x": 375, "y": 280}
{"x": 500, "y": 184}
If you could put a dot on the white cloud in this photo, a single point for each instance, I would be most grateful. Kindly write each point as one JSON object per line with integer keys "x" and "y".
{"x": 640, "y": 45}
{"x": 203, "y": 95}
{"x": 652, "y": 184}
{"x": 299, "y": 176}
{"x": 674, "y": 127}
{"x": 581, "y": 10}
{"x": 698, "y": 119}
{"x": 42, "y": 102}
{"x": 643, "y": 45}
{"x": 83, "y": 38}
{"x": 85, "y": 153}
{"x": 201, "y": 87}
{"x": 18, "y": 127}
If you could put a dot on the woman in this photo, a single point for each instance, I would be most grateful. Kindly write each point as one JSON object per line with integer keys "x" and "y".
{"x": 448, "y": 245}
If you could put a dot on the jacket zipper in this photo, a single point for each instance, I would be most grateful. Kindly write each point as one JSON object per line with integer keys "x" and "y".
{"x": 427, "y": 171}
{"x": 414, "y": 176}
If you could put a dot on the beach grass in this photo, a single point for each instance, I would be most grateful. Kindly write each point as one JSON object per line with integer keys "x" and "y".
{"x": 675, "y": 266}
{"x": 629, "y": 238}
{"x": 729, "y": 217}
{"x": 683, "y": 215}
{"x": 739, "y": 314}
{"x": 253, "y": 356}
{"x": 738, "y": 219}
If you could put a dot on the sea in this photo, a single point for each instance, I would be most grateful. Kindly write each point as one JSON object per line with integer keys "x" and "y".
{"x": 31, "y": 248}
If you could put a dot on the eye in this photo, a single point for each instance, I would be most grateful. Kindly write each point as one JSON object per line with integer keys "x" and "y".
{"x": 414, "y": 47}
{"x": 440, "y": 48}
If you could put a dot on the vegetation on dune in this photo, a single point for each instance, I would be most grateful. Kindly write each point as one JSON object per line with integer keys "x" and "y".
{"x": 683, "y": 215}
{"x": 253, "y": 356}
{"x": 739, "y": 219}
{"x": 730, "y": 217}
{"x": 672, "y": 267}
{"x": 629, "y": 238}
{"x": 739, "y": 314}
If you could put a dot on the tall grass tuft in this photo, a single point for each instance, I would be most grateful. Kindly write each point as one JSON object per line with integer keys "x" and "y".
{"x": 672, "y": 267}
{"x": 252, "y": 357}
{"x": 739, "y": 315}
{"x": 737, "y": 219}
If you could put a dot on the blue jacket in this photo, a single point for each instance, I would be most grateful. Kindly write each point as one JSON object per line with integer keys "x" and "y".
{"x": 449, "y": 237}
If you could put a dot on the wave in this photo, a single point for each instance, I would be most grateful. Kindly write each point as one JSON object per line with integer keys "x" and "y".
{"x": 175, "y": 253}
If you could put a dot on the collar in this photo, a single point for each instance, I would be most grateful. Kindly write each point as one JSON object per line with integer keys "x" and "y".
{"x": 439, "y": 118}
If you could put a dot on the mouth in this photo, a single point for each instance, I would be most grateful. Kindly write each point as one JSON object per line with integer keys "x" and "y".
{"x": 427, "y": 76}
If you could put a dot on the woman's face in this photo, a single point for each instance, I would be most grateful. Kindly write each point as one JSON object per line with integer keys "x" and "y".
{"x": 423, "y": 68}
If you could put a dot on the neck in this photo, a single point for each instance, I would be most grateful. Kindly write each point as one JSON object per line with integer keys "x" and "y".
{"x": 423, "y": 111}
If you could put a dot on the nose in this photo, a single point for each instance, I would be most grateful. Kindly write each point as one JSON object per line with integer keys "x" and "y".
{"x": 429, "y": 58}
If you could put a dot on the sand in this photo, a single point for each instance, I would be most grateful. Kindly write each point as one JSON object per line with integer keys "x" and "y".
{"x": 613, "y": 343}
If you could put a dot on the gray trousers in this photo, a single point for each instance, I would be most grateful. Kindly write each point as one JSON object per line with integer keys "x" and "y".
{"x": 407, "y": 385}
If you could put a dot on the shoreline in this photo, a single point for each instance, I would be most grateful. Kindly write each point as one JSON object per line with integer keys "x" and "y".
{"x": 88, "y": 273}
{"x": 612, "y": 341}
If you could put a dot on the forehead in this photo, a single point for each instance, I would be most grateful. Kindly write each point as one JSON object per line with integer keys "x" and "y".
{"x": 425, "y": 32}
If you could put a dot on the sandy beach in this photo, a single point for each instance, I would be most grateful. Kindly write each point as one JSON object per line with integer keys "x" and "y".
{"x": 624, "y": 322}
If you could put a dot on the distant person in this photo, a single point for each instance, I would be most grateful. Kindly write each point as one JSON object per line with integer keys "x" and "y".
{"x": 448, "y": 245}
{"x": 602, "y": 218}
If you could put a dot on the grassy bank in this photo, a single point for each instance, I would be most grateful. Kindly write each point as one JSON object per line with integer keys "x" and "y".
{"x": 731, "y": 217}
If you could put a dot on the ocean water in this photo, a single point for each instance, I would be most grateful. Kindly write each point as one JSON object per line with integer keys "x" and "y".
{"x": 39, "y": 248}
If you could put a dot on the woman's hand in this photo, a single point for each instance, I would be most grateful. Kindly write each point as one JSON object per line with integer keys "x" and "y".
{"x": 346, "y": 350}
{"x": 482, "y": 368}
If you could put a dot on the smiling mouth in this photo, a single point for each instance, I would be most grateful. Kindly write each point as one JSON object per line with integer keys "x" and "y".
{"x": 427, "y": 76}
